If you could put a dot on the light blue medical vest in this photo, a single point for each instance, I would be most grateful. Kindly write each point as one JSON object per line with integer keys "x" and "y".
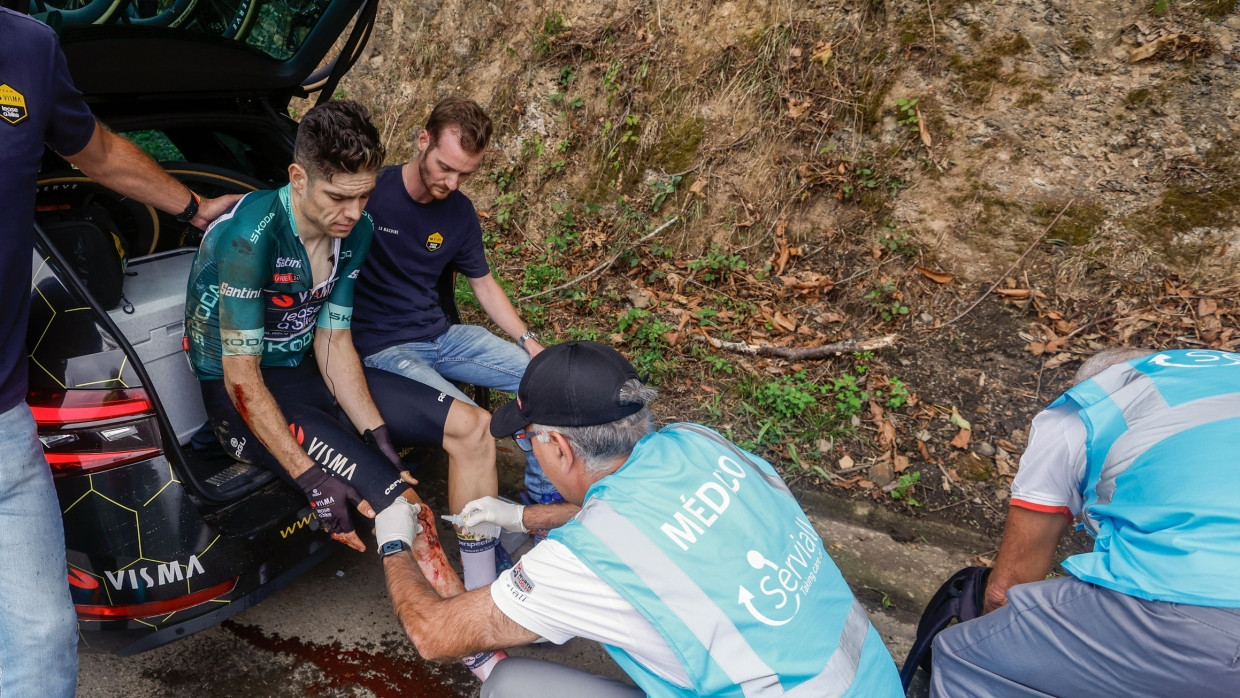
{"x": 709, "y": 545}
{"x": 1161, "y": 490}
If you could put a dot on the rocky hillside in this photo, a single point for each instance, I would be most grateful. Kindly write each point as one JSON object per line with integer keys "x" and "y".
{"x": 996, "y": 188}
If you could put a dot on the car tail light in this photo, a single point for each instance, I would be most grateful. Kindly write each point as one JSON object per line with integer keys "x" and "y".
{"x": 87, "y": 431}
{"x": 153, "y": 608}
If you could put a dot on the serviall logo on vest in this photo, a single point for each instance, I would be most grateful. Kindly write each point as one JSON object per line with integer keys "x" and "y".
{"x": 12, "y": 104}
{"x": 782, "y": 582}
{"x": 434, "y": 241}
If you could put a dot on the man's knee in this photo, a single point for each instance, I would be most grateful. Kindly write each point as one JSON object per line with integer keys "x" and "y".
{"x": 467, "y": 426}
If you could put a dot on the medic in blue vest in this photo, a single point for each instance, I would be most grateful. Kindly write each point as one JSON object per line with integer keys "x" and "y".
{"x": 1142, "y": 452}
{"x": 685, "y": 556}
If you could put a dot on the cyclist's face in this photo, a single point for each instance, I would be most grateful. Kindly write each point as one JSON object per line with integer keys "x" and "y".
{"x": 333, "y": 207}
{"x": 445, "y": 165}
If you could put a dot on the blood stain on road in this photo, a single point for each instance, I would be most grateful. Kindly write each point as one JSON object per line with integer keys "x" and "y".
{"x": 382, "y": 674}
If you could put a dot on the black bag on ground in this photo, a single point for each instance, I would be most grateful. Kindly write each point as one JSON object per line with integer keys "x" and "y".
{"x": 961, "y": 598}
{"x": 88, "y": 240}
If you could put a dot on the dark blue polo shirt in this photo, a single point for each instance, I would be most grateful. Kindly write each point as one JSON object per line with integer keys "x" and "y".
{"x": 38, "y": 104}
{"x": 395, "y": 300}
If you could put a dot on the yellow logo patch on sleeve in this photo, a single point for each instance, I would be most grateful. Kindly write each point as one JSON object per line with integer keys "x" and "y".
{"x": 12, "y": 104}
{"x": 434, "y": 241}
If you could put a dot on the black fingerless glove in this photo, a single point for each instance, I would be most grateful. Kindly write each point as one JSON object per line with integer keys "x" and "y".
{"x": 378, "y": 438}
{"x": 330, "y": 498}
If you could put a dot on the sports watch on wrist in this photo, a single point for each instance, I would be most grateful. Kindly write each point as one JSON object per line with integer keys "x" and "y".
{"x": 527, "y": 336}
{"x": 392, "y": 547}
{"x": 191, "y": 209}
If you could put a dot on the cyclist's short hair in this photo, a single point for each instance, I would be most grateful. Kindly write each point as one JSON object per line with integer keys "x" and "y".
{"x": 465, "y": 115}
{"x": 336, "y": 137}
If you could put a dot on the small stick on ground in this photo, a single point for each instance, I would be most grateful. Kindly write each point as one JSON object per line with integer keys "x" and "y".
{"x": 800, "y": 353}
{"x": 599, "y": 269}
{"x": 1015, "y": 264}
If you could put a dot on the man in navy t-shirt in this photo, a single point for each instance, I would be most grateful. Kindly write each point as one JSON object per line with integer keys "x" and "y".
{"x": 39, "y": 105}
{"x": 423, "y": 225}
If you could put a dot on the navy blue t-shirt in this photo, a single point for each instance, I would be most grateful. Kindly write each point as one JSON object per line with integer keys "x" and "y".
{"x": 38, "y": 104}
{"x": 395, "y": 300}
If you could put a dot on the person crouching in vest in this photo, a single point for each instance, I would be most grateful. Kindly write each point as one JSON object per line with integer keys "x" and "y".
{"x": 688, "y": 558}
{"x": 1142, "y": 451}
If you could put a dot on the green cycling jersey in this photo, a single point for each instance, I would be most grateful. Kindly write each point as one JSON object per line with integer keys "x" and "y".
{"x": 251, "y": 291}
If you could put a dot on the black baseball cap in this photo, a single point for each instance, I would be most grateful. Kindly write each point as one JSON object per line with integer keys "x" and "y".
{"x": 574, "y": 384}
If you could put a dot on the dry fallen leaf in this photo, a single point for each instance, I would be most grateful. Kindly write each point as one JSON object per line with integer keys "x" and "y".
{"x": 925, "y": 132}
{"x": 798, "y": 107}
{"x": 960, "y": 421}
{"x": 1180, "y": 46}
{"x": 962, "y": 439}
{"x": 1057, "y": 360}
{"x": 1016, "y": 293}
{"x": 1003, "y": 462}
{"x": 822, "y": 53}
{"x": 938, "y": 277}
{"x": 901, "y": 463}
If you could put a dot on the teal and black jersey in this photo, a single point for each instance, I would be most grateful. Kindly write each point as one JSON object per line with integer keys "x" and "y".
{"x": 251, "y": 291}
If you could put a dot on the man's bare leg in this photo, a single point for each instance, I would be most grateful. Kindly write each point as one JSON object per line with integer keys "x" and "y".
{"x": 471, "y": 474}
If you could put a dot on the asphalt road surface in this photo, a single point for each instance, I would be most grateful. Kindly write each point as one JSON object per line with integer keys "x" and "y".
{"x": 333, "y": 633}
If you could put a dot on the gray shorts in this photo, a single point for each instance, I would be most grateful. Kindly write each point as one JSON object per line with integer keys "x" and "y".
{"x": 523, "y": 677}
{"x": 1066, "y": 637}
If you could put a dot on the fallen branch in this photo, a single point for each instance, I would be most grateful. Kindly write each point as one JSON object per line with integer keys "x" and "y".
{"x": 600, "y": 268}
{"x": 800, "y": 353}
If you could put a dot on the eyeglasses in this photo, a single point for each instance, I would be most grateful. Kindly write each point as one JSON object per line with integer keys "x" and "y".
{"x": 523, "y": 440}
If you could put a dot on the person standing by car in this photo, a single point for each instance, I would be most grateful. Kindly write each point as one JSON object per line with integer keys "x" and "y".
{"x": 272, "y": 285}
{"x": 39, "y": 106}
{"x": 689, "y": 558}
{"x": 423, "y": 225}
{"x": 1142, "y": 448}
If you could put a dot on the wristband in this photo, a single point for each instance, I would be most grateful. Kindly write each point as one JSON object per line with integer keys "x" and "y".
{"x": 191, "y": 209}
{"x": 392, "y": 547}
{"x": 527, "y": 336}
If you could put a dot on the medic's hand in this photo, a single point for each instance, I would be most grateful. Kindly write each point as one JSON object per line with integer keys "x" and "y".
{"x": 330, "y": 498}
{"x": 486, "y": 516}
{"x": 398, "y": 522}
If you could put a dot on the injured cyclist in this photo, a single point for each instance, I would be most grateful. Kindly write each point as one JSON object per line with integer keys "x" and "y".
{"x": 272, "y": 285}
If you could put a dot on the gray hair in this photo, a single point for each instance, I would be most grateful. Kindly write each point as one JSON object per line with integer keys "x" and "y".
{"x": 1106, "y": 359}
{"x": 600, "y": 444}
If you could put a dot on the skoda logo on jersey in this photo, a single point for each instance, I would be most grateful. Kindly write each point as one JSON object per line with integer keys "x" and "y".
{"x": 434, "y": 241}
{"x": 12, "y": 104}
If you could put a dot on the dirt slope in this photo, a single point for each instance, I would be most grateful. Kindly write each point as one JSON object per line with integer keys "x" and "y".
{"x": 841, "y": 171}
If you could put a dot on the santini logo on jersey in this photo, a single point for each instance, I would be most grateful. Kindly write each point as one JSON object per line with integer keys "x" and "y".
{"x": 288, "y": 262}
{"x": 242, "y": 293}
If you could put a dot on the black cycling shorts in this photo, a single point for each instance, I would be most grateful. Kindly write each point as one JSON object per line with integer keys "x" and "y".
{"x": 415, "y": 414}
